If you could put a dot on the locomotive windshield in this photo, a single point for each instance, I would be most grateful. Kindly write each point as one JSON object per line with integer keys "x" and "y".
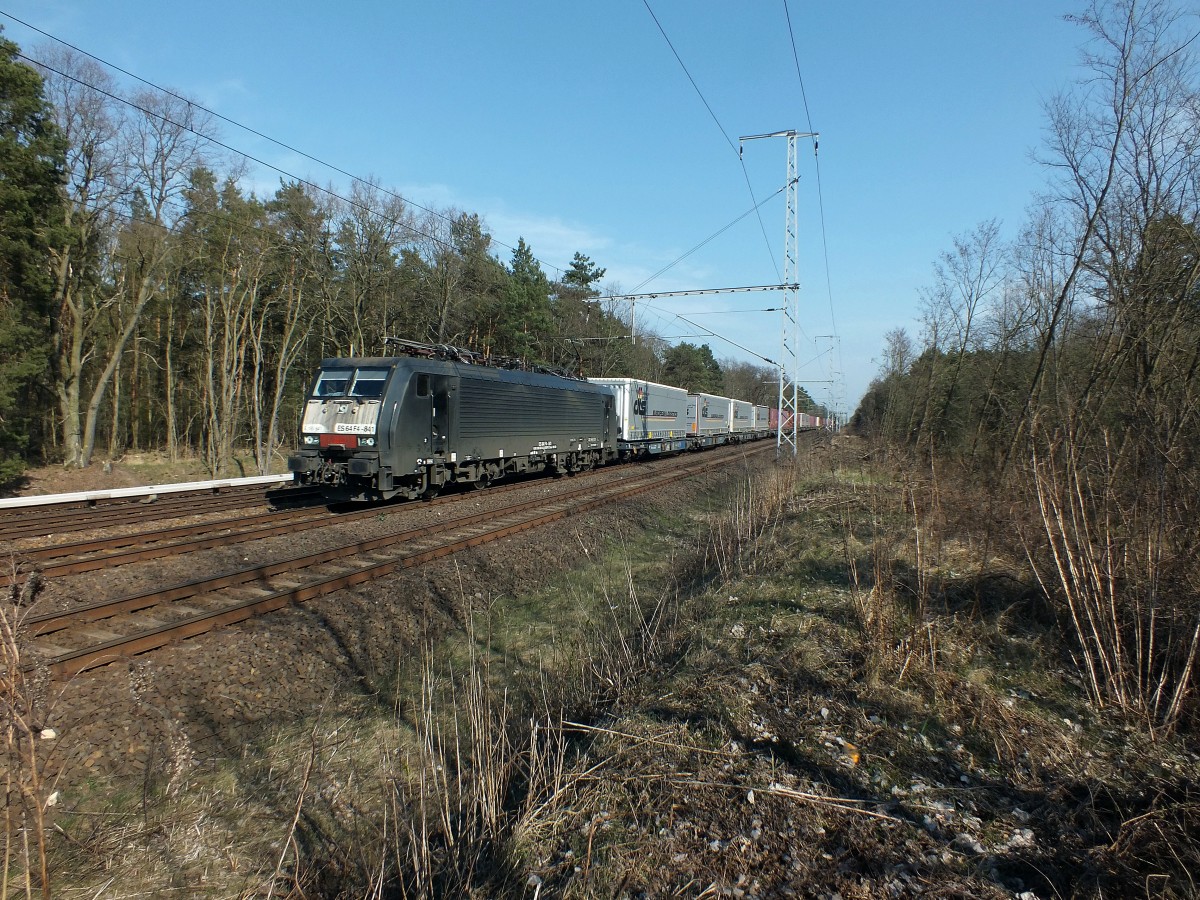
{"x": 368, "y": 383}
{"x": 332, "y": 383}
{"x": 363, "y": 383}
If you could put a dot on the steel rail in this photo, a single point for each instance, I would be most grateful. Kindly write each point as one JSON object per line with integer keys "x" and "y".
{"x": 35, "y": 524}
{"x": 573, "y": 502}
{"x": 50, "y": 622}
{"x": 157, "y": 544}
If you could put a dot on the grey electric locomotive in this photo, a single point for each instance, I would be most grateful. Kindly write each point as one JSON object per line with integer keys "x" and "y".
{"x": 382, "y": 427}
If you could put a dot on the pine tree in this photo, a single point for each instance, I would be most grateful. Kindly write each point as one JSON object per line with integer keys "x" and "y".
{"x": 526, "y": 313}
{"x": 693, "y": 368}
{"x": 32, "y": 164}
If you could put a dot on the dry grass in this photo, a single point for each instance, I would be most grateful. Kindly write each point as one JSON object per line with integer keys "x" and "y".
{"x": 818, "y": 686}
{"x": 887, "y": 712}
{"x": 28, "y": 793}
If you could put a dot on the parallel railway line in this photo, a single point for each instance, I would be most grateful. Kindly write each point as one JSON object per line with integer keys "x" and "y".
{"x": 84, "y": 637}
{"x": 90, "y": 555}
{"x": 73, "y": 517}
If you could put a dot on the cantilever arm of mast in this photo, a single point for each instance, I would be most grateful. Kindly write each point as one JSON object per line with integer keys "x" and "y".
{"x": 785, "y": 133}
{"x": 730, "y": 290}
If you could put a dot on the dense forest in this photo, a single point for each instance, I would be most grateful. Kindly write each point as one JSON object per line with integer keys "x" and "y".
{"x": 149, "y": 302}
{"x": 1061, "y": 371}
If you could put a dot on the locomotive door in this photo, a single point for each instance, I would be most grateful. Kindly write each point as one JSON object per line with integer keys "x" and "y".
{"x": 418, "y": 413}
{"x": 439, "y": 420}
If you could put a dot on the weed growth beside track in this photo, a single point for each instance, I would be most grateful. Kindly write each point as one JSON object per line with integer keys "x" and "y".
{"x": 808, "y": 684}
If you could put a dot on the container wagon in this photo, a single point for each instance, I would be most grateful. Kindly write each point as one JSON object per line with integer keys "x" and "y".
{"x": 652, "y": 417}
{"x": 762, "y": 421}
{"x": 741, "y": 420}
{"x": 709, "y": 418}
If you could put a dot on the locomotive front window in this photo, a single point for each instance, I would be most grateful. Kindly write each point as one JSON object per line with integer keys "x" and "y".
{"x": 332, "y": 383}
{"x": 368, "y": 383}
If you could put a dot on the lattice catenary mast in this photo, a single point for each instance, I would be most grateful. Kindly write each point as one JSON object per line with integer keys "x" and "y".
{"x": 789, "y": 362}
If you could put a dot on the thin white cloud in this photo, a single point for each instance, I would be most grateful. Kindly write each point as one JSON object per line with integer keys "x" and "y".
{"x": 553, "y": 240}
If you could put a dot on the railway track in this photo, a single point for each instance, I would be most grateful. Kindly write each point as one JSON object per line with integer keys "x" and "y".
{"x": 74, "y": 516}
{"x": 85, "y": 637}
{"x": 117, "y": 550}
{"x": 86, "y": 556}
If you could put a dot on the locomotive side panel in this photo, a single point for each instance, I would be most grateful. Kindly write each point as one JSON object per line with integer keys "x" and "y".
{"x": 502, "y": 417}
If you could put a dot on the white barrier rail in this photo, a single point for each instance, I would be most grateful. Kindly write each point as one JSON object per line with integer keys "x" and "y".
{"x": 146, "y": 491}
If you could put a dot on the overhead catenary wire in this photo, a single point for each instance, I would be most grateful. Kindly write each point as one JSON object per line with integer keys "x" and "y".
{"x": 369, "y": 209}
{"x": 796, "y": 56}
{"x": 282, "y": 144}
{"x": 711, "y": 237}
{"x": 769, "y": 362}
{"x": 724, "y": 133}
{"x": 661, "y": 313}
{"x": 329, "y": 191}
{"x": 745, "y": 172}
{"x": 817, "y": 172}
{"x": 218, "y": 143}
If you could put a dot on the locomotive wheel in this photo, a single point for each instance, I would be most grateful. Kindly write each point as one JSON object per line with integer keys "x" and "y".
{"x": 481, "y": 483}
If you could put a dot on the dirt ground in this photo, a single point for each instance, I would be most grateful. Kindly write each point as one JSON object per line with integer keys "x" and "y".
{"x": 795, "y": 724}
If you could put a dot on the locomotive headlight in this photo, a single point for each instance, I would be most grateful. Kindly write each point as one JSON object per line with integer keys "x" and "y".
{"x": 311, "y": 440}
{"x": 366, "y": 442}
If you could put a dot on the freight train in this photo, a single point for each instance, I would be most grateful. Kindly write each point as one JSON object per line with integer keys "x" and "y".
{"x": 408, "y": 426}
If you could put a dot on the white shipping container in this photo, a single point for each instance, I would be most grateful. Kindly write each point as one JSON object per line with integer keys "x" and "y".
{"x": 648, "y": 411}
{"x": 709, "y": 415}
{"x": 762, "y": 418}
{"x": 741, "y": 417}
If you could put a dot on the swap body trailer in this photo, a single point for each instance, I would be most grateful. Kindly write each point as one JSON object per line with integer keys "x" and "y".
{"x": 652, "y": 417}
{"x": 741, "y": 420}
{"x": 762, "y": 421}
{"x": 709, "y": 418}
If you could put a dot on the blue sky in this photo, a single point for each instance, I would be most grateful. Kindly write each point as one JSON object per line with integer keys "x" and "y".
{"x": 573, "y": 125}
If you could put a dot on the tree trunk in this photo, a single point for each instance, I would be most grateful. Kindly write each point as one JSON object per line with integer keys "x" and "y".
{"x": 145, "y": 292}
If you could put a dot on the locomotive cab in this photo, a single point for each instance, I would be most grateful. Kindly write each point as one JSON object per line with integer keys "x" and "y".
{"x": 360, "y": 415}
